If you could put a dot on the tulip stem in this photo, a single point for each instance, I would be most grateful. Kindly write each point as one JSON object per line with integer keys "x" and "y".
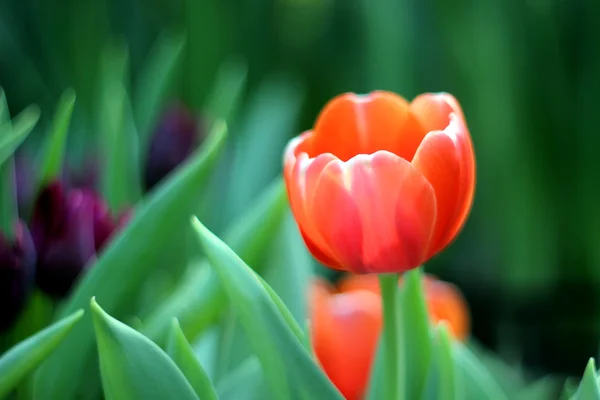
{"x": 391, "y": 324}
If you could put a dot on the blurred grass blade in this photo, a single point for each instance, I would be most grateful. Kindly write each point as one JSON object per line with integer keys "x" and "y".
{"x": 287, "y": 366}
{"x": 155, "y": 80}
{"x": 228, "y": 89}
{"x": 589, "y": 389}
{"x": 132, "y": 366}
{"x": 56, "y": 142}
{"x": 22, "y": 125}
{"x": 4, "y": 111}
{"x": 244, "y": 382}
{"x": 478, "y": 382}
{"x": 182, "y": 353}
{"x": 23, "y": 358}
{"x": 124, "y": 264}
{"x": 249, "y": 236}
{"x": 121, "y": 180}
{"x": 416, "y": 335}
{"x": 441, "y": 383}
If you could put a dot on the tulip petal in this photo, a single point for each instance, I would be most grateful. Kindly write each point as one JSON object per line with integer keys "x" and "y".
{"x": 335, "y": 215}
{"x": 397, "y": 209}
{"x": 351, "y": 124}
{"x": 437, "y": 159}
{"x": 301, "y": 174}
{"x": 433, "y": 110}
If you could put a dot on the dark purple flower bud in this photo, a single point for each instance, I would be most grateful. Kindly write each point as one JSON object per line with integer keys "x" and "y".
{"x": 68, "y": 229}
{"x": 17, "y": 270}
{"x": 175, "y": 138}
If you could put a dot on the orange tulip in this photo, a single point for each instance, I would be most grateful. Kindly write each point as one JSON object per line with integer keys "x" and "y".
{"x": 346, "y": 323}
{"x": 381, "y": 185}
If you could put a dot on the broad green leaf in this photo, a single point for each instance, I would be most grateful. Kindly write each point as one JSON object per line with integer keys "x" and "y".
{"x": 121, "y": 180}
{"x": 415, "y": 333}
{"x": 542, "y": 389}
{"x": 124, "y": 264}
{"x": 132, "y": 366}
{"x": 442, "y": 383}
{"x": 569, "y": 389}
{"x": 589, "y": 389}
{"x": 182, "y": 353}
{"x": 227, "y": 90}
{"x": 374, "y": 391}
{"x": 201, "y": 288}
{"x": 287, "y": 366}
{"x": 154, "y": 81}
{"x": 54, "y": 152}
{"x": 244, "y": 382}
{"x": 22, "y": 125}
{"x": 478, "y": 382}
{"x": 23, "y": 358}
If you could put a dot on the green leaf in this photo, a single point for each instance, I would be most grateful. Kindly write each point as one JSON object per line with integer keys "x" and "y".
{"x": 569, "y": 389}
{"x": 478, "y": 382}
{"x": 23, "y": 358}
{"x": 227, "y": 90}
{"x": 244, "y": 382}
{"x": 201, "y": 289}
{"x": 287, "y": 366}
{"x": 121, "y": 180}
{"x": 442, "y": 381}
{"x": 132, "y": 366}
{"x": 4, "y": 111}
{"x": 415, "y": 333}
{"x": 374, "y": 391}
{"x": 54, "y": 152}
{"x": 22, "y": 126}
{"x": 123, "y": 266}
{"x": 589, "y": 388}
{"x": 542, "y": 389}
{"x": 182, "y": 353}
{"x": 154, "y": 81}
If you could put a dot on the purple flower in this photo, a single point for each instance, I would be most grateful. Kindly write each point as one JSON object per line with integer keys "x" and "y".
{"x": 175, "y": 138}
{"x": 68, "y": 228}
{"x": 17, "y": 270}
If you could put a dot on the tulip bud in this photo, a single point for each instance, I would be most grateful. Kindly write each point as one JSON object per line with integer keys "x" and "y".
{"x": 17, "y": 270}
{"x": 68, "y": 230}
{"x": 175, "y": 138}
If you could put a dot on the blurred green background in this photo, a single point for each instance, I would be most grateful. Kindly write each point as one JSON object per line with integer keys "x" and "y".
{"x": 526, "y": 73}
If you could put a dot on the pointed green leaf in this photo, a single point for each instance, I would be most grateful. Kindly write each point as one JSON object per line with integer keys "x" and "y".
{"x": 22, "y": 125}
{"x": 154, "y": 81}
{"x": 54, "y": 152}
{"x": 227, "y": 90}
{"x": 589, "y": 388}
{"x": 244, "y": 382}
{"x": 4, "y": 112}
{"x": 182, "y": 353}
{"x": 569, "y": 389}
{"x": 23, "y": 358}
{"x": 121, "y": 180}
{"x": 415, "y": 333}
{"x": 287, "y": 366}
{"x": 123, "y": 266}
{"x": 132, "y": 366}
{"x": 200, "y": 289}
{"x": 442, "y": 383}
{"x": 478, "y": 382}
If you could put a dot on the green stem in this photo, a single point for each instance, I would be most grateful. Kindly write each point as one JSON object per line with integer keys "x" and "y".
{"x": 391, "y": 324}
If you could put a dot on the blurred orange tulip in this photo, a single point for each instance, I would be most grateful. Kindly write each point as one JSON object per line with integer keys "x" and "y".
{"x": 346, "y": 323}
{"x": 381, "y": 185}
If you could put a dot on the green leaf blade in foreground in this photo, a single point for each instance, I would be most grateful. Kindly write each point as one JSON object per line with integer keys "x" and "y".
{"x": 182, "y": 353}
{"x": 589, "y": 388}
{"x": 23, "y": 358}
{"x": 244, "y": 382}
{"x": 132, "y": 366}
{"x": 123, "y": 266}
{"x": 288, "y": 368}
{"x": 478, "y": 382}
{"x": 249, "y": 236}
{"x": 442, "y": 383}
{"x": 52, "y": 158}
